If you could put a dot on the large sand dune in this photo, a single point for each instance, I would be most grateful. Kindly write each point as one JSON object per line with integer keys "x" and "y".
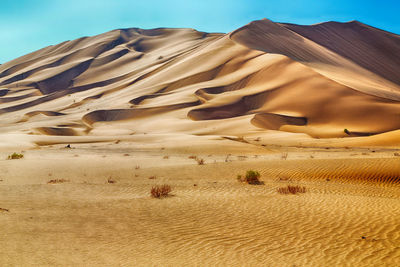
{"x": 261, "y": 78}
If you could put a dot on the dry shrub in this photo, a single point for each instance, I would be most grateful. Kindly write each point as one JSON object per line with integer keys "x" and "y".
{"x": 15, "y": 156}
{"x": 200, "y": 161}
{"x": 252, "y": 177}
{"x": 111, "y": 181}
{"x": 192, "y": 157}
{"x": 166, "y": 157}
{"x": 57, "y": 181}
{"x": 291, "y": 189}
{"x": 152, "y": 177}
{"x": 160, "y": 191}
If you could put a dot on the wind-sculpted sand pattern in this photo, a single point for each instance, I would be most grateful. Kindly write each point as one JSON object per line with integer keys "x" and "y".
{"x": 209, "y": 218}
{"x": 262, "y": 76}
{"x": 373, "y": 170}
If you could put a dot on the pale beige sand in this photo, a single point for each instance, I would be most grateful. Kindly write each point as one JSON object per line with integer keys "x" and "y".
{"x": 272, "y": 97}
{"x": 261, "y": 78}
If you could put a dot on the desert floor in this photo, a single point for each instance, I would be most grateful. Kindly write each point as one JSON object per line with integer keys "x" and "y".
{"x": 100, "y": 212}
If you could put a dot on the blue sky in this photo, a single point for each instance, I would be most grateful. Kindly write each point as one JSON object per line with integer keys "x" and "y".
{"x": 28, "y": 25}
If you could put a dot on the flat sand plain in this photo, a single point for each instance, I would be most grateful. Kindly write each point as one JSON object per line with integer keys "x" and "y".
{"x": 100, "y": 212}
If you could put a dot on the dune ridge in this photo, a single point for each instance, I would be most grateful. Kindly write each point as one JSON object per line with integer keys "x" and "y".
{"x": 316, "y": 80}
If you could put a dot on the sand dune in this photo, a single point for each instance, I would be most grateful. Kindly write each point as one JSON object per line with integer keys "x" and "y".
{"x": 333, "y": 76}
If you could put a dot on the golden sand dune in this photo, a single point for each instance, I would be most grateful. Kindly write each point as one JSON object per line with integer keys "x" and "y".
{"x": 318, "y": 80}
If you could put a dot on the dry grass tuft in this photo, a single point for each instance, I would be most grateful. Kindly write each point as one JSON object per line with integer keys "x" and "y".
{"x": 111, "y": 181}
{"x": 15, "y": 156}
{"x": 200, "y": 161}
{"x": 252, "y": 177}
{"x": 57, "y": 181}
{"x": 291, "y": 189}
{"x": 284, "y": 155}
{"x": 160, "y": 191}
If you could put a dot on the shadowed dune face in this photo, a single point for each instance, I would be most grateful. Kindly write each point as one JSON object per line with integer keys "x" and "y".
{"x": 318, "y": 80}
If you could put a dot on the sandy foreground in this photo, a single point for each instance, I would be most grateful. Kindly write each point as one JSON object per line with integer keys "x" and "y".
{"x": 102, "y": 213}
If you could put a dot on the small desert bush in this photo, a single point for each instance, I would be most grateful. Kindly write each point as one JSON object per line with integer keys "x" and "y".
{"x": 252, "y": 177}
{"x": 15, "y": 156}
{"x": 291, "y": 189}
{"x": 160, "y": 191}
{"x": 111, "y": 181}
{"x": 200, "y": 161}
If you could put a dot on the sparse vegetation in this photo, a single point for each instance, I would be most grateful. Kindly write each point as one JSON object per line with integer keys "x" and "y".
{"x": 111, "y": 181}
{"x": 15, "y": 156}
{"x": 291, "y": 189}
{"x": 252, "y": 177}
{"x": 57, "y": 181}
{"x": 160, "y": 191}
{"x": 200, "y": 161}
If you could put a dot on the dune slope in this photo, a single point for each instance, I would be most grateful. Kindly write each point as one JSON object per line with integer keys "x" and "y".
{"x": 265, "y": 77}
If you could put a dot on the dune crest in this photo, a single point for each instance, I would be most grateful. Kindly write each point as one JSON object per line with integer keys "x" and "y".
{"x": 318, "y": 80}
